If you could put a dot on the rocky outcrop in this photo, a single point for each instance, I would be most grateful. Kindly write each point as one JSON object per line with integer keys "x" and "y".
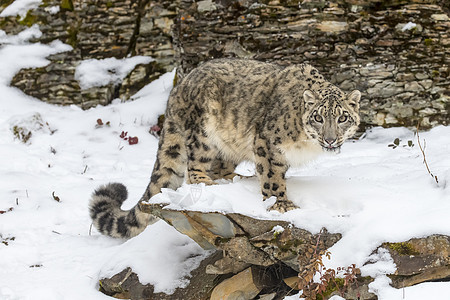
{"x": 419, "y": 260}
{"x": 96, "y": 30}
{"x": 268, "y": 258}
{"x": 395, "y": 52}
{"x": 126, "y": 285}
{"x": 245, "y": 240}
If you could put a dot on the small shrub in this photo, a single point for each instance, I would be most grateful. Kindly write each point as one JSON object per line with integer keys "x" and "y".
{"x": 329, "y": 282}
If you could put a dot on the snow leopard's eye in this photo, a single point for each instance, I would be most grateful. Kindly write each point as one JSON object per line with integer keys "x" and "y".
{"x": 343, "y": 119}
{"x": 318, "y": 119}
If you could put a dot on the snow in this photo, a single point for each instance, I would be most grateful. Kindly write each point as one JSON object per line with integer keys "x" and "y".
{"x": 165, "y": 264}
{"x": 101, "y": 72}
{"x": 409, "y": 26}
{"x": 22, "y": 37}
{"x": 369, "y": 192}
{"x": 52, "y": 9}
{"x": 20, "y": 8}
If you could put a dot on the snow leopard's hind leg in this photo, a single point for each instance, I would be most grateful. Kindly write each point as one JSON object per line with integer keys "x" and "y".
{"x": 222, "y": 169}
{"x": 168, "y": 172}
{"x": 201, "y": 157}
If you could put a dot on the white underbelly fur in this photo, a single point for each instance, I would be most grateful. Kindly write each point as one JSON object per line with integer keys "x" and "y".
{"x": 234, "y": 146}
{"x": 238, "y": 146}
{"x": 301, "y": 153}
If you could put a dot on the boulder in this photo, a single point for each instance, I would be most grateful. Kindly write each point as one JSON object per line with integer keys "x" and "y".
{"x": 420, "y": 260}
{"x": 246, "y": 240}
{"x": 126, "y": 285}
{"x": 271, "y": 258}
{"x": 244, "y": 285}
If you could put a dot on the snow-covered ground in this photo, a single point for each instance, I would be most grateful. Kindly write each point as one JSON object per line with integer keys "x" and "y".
{"x": 371, "y": 193}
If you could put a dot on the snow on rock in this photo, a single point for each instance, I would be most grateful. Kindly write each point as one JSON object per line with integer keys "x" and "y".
{"x": 20, "y": 8}
{"x": 21, "y": 38}
{"x": 101, "y": 72}
{"x": 53, "y": 9}
{"x": 409, "y": 26}
{"x": 161, "y": 257}
{"x": 19, "y": 53}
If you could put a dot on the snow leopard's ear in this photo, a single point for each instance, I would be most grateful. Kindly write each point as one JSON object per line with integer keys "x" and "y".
{"x": 353, "y": 99}
{"x": 309, "y": 98}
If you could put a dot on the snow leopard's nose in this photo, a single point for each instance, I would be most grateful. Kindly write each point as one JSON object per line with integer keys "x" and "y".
{"x": 330, "y": 141}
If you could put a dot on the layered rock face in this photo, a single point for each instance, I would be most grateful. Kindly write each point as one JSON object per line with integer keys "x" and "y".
{"x": 96, "y": 30}
{"x": 396, "y": 52}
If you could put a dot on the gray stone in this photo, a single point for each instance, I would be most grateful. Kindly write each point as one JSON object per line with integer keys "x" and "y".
{"x": 126, "y": 285}
{"x": 421, "y": 76}
{"x": 428, "y": 111}
{"x": 413, "y": 86}
{"x": 206, "y": 5}
{"x": 244, "y": 239}
{"x": 385, "y": 89}
{"x": 405, "y": 77}
{"x": 426, "y": 84}
{"x": 420, "y": 260}
{"x": 227, "y": 265}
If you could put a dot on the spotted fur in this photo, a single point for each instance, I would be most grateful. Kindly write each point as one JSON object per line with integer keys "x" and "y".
{"x": 229, "y": 111}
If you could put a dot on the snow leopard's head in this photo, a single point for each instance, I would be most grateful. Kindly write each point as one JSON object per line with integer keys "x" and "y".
{"x": 331, "y": 116}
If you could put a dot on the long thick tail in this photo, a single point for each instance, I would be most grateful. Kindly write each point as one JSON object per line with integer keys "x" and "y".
{"x": 110, "y": 220}
{"x": 168, "y": 172}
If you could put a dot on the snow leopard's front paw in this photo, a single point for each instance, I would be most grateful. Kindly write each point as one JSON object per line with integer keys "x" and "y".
{"x": 196, "y": 177}
{"x": 283, "y": 206}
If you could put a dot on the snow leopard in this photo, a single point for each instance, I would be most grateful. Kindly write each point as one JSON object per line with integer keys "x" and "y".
{"x": 227, "y": 111}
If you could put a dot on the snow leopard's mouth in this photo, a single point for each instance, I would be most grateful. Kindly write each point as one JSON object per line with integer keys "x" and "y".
{"x": 335, "y": 149}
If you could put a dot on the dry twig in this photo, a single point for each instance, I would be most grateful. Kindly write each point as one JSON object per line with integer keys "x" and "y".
{"x": 423, "y": 154}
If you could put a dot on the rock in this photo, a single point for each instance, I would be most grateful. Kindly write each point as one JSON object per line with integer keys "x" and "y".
{"x": 421, "y": 76}
{"x": 108, "y": 29}
{"x": 420, "y": 260}
{"x": 205, "y": 6}
{"x": 245, "y": 240}
{"x": 426, "y": 84}
{"x": 241, "y": 249}
{"x": 267, "y": 296}
{"x": 413, "y": 86}
{"x": 126, "y": 285}
{"x": 227, "y": 265}
{"x": 164, "y": 24}
{"x": 262, "y": 257}
{"x": 334, "y": 37}
{"x": 241, "y": 286}
{"x": 332, "y": 26}
{"x": 405, "y": 77}
{"x": 440, "y": 17}
{"x": 291, "y": 245}
{"x": 292, "y": 282}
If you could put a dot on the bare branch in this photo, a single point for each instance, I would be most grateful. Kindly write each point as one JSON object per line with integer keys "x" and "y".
{"x": 423, "y": 153}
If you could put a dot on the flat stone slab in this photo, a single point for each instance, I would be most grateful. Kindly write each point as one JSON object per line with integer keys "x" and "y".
{"x": 245, "y": 239}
